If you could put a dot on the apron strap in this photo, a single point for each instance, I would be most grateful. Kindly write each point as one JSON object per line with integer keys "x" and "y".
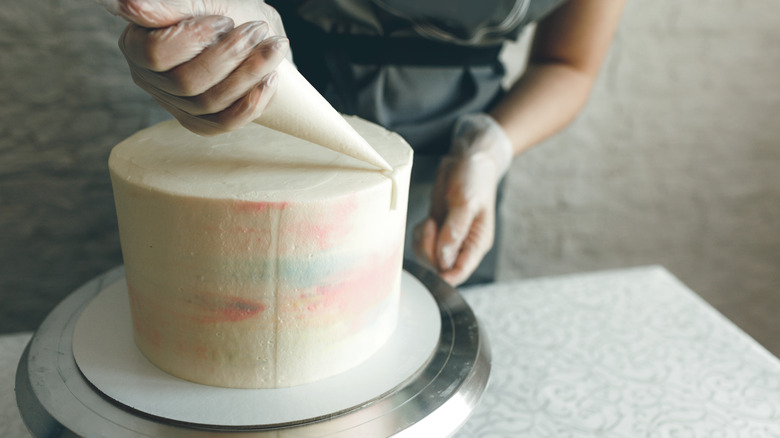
{"x": 326, "y": 59}
{"x": 378, "y": 50}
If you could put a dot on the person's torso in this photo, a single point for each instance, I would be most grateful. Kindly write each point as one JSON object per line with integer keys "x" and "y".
{"x": 412, "y": 66}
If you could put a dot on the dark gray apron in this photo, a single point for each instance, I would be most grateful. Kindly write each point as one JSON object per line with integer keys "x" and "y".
{"x": 428, "y": 63}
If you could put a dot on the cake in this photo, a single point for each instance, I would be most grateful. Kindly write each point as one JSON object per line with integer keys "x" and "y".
{"x": 255, "y": 259}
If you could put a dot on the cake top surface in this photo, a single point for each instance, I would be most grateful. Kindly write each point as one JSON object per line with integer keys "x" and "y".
{"x": 254, "y": 163}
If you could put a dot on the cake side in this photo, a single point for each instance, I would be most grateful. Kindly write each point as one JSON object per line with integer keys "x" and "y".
{"x": 253, "y": 164}
{"x": 278, "y": 289}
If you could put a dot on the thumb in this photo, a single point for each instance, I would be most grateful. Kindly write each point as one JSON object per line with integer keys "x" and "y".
{"x": 425, "y": 241}
{"x": 453, "y": 232}
{"x": 152, "y": 13}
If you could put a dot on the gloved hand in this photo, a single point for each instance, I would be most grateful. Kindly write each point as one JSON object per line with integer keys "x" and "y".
{"x": 461, "y": 224}
{"x": 209, "y": 63}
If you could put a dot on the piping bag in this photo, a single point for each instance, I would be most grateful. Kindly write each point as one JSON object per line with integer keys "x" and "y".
{"x": 290, "y": 111}
{"x": 299, "y": 110}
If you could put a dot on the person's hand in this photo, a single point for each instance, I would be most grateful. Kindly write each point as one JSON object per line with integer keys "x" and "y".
{"x": 208, "y": 63}
{"x": 461, "y": 224}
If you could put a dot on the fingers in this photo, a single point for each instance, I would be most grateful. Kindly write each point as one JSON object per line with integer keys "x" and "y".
{"x": 214, "y": 64}
{"x": 162, "y": 49}
{"x": 188, "y": 73}
{"x": 163, "y": 13}
{"x": 453, "y": 232}
{"x": 235, "y": 116}
{"x": 153, "y": 13}
{"x": 425, "y": 234}
{"x": 260, "y": 62}
{"x": 438, "y": 208}
{"x": 460, "y": 226}
{"x": 472, "y": 251}
{"x": 467, "y": 254}
{"x": 213, "y": 78}
{"x": 263, "y": 60}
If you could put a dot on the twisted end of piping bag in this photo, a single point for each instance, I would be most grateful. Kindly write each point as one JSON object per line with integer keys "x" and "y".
{"x": 299, "y": 110}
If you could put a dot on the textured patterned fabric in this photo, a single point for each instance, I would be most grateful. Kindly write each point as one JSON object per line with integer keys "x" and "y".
{"x": 630, "y": 353}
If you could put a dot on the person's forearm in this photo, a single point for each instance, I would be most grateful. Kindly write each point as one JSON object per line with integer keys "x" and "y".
{"x": 569, "y": 47}
{"x": 542, "y": 102}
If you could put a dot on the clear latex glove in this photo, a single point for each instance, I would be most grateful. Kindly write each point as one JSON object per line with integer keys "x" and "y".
{"x": 164, "y": 13}
{"x": 209, "y": 63}
{"x": 461, "y": 225}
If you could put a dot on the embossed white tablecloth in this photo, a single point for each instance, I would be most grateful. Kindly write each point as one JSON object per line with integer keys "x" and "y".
{"x": 627, "y": 353}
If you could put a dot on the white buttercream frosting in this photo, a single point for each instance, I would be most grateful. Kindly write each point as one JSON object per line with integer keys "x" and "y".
{"x": 256, "y": 259}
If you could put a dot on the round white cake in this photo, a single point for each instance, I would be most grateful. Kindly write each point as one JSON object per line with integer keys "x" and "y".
{"x": 255, "y": 259}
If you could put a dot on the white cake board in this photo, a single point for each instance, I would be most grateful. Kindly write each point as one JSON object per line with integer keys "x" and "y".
{"x": 107, "y": 356}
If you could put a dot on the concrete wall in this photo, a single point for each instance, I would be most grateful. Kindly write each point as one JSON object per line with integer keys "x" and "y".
{"x": 66, "y": 98}
{"x": 675, "y": 161}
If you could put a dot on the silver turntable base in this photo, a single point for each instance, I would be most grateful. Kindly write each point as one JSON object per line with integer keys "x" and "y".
{"x": 56, "y": 400}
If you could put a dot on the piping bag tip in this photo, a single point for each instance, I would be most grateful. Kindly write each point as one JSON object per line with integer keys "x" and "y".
{"x": 298, "y": 109}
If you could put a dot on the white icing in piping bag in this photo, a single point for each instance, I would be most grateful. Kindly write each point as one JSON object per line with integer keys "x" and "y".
{"x": 299, "y": 110}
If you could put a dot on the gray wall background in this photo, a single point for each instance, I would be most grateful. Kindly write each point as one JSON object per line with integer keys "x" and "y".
{"x": 675, "y": 161}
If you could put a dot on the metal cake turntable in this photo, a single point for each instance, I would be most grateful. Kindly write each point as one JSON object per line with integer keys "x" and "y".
{"x": 62, "y": 394}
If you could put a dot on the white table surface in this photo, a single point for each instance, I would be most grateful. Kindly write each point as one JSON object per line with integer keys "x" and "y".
{"x": 625, "y": 353}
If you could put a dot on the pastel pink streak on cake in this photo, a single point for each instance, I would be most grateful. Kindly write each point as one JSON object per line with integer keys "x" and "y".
{"x": 225, "y": 308}
{"x": 258, "y": 260}
{"x": 356, "y": 288}
{"x": 260, "y": 207}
